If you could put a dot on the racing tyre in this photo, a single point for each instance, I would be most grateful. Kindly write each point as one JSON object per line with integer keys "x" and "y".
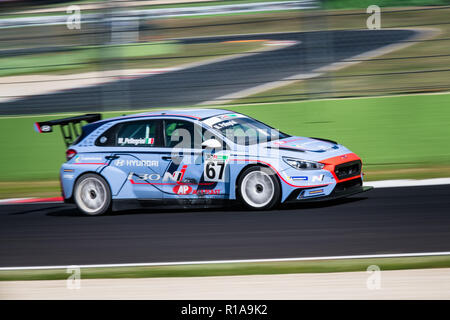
{"x": 258, "y": 188}
{"x": 92, "y": 195}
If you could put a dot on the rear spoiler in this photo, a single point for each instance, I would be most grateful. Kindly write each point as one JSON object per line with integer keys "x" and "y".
{"x": 70, "y": 127}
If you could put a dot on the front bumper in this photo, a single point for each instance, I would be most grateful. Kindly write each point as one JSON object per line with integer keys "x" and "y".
{"x": 341, "y": 190}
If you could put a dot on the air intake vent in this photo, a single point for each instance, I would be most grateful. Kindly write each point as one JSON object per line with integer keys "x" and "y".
{"x": 348, "y": 169}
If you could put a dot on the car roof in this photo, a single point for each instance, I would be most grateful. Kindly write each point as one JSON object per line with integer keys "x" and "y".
{"x": 198, "y": 114}
{"x": 195, "y": 114}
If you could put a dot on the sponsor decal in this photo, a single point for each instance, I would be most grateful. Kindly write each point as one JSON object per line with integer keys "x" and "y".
{"x": 136, "y": 141}
{"x": 318, "y": 178}
{"x": 175, "y": 177}
{"x": 215, "y": 157}
{"x": 224, "y": 124}
{"x": 137, "y": 163}
{"x": 227, "y": 116}
{"x": 207, "y": 192}
{"x": 144, "y": 176}
{"x": 68, "y": 176}
{"x": 88, "y": 160}
{"x": 302, "y": 178}
{"x": 182, "y": 189}
{"x": 80, "y": 158}
{"x": 215, "y": 120}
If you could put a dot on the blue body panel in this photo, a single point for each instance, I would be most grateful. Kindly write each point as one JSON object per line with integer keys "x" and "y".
{"x": 151, "y": 173}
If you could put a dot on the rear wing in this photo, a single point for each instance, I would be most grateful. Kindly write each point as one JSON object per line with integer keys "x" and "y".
{"x": 70, "y": 127}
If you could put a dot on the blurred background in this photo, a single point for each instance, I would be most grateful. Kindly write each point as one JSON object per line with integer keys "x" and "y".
{"x": 310, "y": 68}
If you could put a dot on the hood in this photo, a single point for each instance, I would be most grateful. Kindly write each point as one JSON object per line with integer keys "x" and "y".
{"x": 303, "y": 144}
{"x": 307, "y": 148}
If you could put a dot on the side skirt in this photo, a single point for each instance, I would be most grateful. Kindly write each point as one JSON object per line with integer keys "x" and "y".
{"x": 129, "y": 204}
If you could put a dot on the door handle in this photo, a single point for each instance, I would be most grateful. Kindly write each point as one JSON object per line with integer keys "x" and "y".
{"x": 166, "y": 158}
{"x": 112, "y": 157}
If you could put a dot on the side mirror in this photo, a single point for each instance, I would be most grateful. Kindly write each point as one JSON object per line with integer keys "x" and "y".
{"x": 211, "y": 144}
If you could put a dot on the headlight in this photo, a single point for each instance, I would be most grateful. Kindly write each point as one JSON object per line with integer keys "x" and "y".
{"x": 303, "y": 164}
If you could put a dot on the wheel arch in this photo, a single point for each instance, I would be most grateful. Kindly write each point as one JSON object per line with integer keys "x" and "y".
{"x": 71, "y": 199}
{"x": 105, "y": 203}
{"x": 255, "y": 164}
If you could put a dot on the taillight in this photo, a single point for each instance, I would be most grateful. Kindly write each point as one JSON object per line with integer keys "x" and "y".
{"x": 70, "y": 153}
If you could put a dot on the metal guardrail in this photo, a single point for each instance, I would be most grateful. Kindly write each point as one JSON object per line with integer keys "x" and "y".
{"x": 126, "y": 14}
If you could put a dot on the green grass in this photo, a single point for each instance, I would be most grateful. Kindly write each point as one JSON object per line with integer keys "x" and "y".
{"x": 14, "y": 189}
{"x": 410, "y": 130}
{"x": 389, "y": 133}
{"x": 80, "y": 56}
{"x": 232, "y": 269}
{"x": 350, "y": 4}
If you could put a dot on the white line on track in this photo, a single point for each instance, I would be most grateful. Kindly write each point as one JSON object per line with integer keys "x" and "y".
{"x": 154, "y": 264}
{"x": 407, "y": 183}
{"x": 13, "y": 200}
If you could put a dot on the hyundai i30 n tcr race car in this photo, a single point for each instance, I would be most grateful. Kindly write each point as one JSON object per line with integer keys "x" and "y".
{"x": 197, "y": 157}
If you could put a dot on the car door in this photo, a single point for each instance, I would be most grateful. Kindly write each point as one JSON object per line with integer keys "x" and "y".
{"x": 138, "y": 159}
{"x": 185, "y": 176}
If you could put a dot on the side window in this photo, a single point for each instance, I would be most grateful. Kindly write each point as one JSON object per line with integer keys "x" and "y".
{"x": 138, "y": 134}
{"x": 181, "y": 134}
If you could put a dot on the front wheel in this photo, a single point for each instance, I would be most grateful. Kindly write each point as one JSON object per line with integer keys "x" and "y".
{"x": 258, "y": 188}
{"x": 92, "y": 195}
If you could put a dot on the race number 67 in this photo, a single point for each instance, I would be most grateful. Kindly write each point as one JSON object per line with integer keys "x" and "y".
{"x": 214, "y": 170}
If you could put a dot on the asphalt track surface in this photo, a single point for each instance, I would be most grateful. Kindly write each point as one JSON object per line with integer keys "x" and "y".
{"x": 208, "y": 82}
{"x": 387, "y": 220}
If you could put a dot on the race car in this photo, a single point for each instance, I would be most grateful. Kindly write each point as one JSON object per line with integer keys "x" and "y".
{"x": 197, "y": 157}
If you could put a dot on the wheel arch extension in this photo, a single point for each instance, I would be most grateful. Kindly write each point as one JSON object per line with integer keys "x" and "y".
{"x": 254, "y": 164}
{"x": 70, "y": 199}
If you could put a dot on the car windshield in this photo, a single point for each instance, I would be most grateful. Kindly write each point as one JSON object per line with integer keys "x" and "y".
{"x": 244, "y": 130}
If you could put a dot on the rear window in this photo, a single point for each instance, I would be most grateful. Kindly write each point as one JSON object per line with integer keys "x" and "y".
{"x": 87, "y": 130}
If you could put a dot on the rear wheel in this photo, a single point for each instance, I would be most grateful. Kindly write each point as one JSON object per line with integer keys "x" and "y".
{"x": 258, "y": 188}
{"x": 92, "y": 195}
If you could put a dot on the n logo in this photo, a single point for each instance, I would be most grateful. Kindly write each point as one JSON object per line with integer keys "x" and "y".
{"x": 318, "y": 178}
